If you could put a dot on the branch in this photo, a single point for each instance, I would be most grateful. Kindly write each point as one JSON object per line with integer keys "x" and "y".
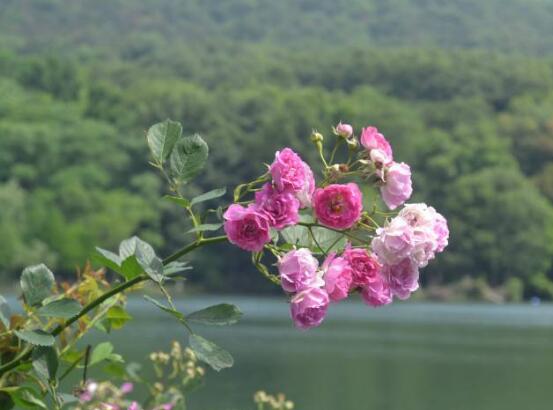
{"x": 26, "y": 353}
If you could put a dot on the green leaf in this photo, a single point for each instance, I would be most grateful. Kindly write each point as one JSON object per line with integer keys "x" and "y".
{"x": 175, "y": 313}
{"x": 162, "y": 137}
{"x": 62, "y": 308}
{"x": 130, "y": 268}
{"x": 327, "y": 238}
{"x": 108, "y": 259}
{"x": 216, "y": 193}
{"x": 117, "y": 317}
{"x": 175, "y": 267}
{"x": 222, "y": 314}
{"x": 185, "y": 203}
{"x": 5, "y": 312}
{"x": 24, "y": 397}
{"x": 45, "y": 362}
{"x": 296, "y": 235}
{"x": 205, "y": 227}
{"x": 36, "y": 337}
{"x": 145, "y": 257}
{"x": 37, "y": 283}
{"x": 188, "y": 158}
{"x": 101, "y": 352}
{"x": 208, "y": 352}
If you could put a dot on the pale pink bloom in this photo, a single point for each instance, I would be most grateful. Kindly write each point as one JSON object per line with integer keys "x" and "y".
{"x": 338, "y": 206}
{"x": 126, "y": 388}
{"x": 364, "y": 266}
{"x": 109, "y": 406}
{"x": 430, "y": 231}
{"x": 397, "y": 186}
{"x": 308, "y": 308}
{"x": 380, "y": 159}
{"x": 371, "y": 139}
{"x": 282, "y": 207}
{"x": 337, "y": 277}
{"x": 290, "y": 173}
{"x": 377, "y": 293}
{"x": 394, "y": 241}
{"x": 402, "y": 277}
{"x": 133, "y": 406}
{"x": 248, "y": 228}
{"x": 88, "y": 392}
{"x": 344, "y": 130}
{"x": 298, "y": 270}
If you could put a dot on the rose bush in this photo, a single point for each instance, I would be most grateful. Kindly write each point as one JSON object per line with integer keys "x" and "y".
{"x": 328, "y": 240}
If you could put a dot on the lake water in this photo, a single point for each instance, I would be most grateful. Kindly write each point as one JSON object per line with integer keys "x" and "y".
{"x": 408, "y": 356}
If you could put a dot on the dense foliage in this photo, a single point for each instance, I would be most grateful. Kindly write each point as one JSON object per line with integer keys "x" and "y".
{"x": 79, "y": 85}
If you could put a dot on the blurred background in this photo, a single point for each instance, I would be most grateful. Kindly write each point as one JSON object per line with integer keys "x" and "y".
{"x": 462, "y": 88}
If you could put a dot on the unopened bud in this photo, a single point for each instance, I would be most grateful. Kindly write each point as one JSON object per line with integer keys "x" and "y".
{"x": 317, "y": 136}
{"x": 352, "y": 143}
{"x": 343, "y": 130}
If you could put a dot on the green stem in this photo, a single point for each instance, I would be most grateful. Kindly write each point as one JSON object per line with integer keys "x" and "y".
{"x": 27, "y": 352}
{"x": 313, "y": 224}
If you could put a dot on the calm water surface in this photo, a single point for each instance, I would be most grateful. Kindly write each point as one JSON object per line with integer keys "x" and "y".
{"x": 407, "y": 356}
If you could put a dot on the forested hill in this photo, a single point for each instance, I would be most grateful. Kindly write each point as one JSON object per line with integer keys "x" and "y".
{"x": 520, "y": 26}
{"x": 448, "y": 82}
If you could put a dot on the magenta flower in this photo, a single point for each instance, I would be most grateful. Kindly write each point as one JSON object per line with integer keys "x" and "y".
{"x": 338, "y": 206}
{"x": 308, "y": 308}
{"x": 377, "y": 293}
{"x": 247, "y": 228}
{"x": 397, "y": 186}
{"x": 394, "y": 242}
{"x": 282, "y": 207}
{"x": 298, "y": 270}
{"x": 337, "y": 277}
{"x": 364, "y": 266}
{"x": 343, "y": 130}
{"x": 402, "y": 277}
{"x": 290, "y": 173}
{"x": 371, "y": 139}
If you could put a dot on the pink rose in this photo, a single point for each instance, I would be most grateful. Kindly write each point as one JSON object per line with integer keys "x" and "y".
{"x": 308, "y": 308}
{"x": 343, "y": 130}
{"x": 298, "y": 270}
{"x": 430, "y": 231}
{"x": 364, "y": 267}
{"x": 397, "y": 186}
{"x": 338, "y": 206}
{"x": 402, "y": 277}
{"x": 394, "y": 241}
{"x": 377, "y": 293}
{"x": 282, "y": 207}
{"x": 371, "y": 139}
{"x": 337, "y": 277}
{"x": 442, "y": 232}
{"x": 247, "y": 228}
{"x": 290, "y": 173}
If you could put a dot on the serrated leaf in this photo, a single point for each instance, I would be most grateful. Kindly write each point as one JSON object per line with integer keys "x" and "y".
{"x": 208, "y": 352}
{"x": 175, "y": 267}
{"x": 175, "y": 313}
{"x": 5, "y": 312}
{"x": 37, "y": 283}
{"x": 101, "y": 352}
{"x": 139, "y": 256}
{"x": 222, "y": 314}
{"x": 36, "y": 337}
{"x": 108, "y": 259}
{"x": 45, "y": 362}
{"x": 117, "y": 317}
{"x": 216, "y": 193}
{"x": 162, "y": 137}
{"x": 185, "y": 203}
{"x": 296, "y": 235}
{"x": 188, "y": 158}
{"x": 62, "y": 308}
{"x": 205, "y": 228}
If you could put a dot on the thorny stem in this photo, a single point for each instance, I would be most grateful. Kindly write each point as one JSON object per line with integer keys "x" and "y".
{"x": 25, "y": 355}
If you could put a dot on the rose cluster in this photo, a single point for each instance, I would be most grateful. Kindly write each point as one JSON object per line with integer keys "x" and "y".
{"x": 380, "y": 267}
